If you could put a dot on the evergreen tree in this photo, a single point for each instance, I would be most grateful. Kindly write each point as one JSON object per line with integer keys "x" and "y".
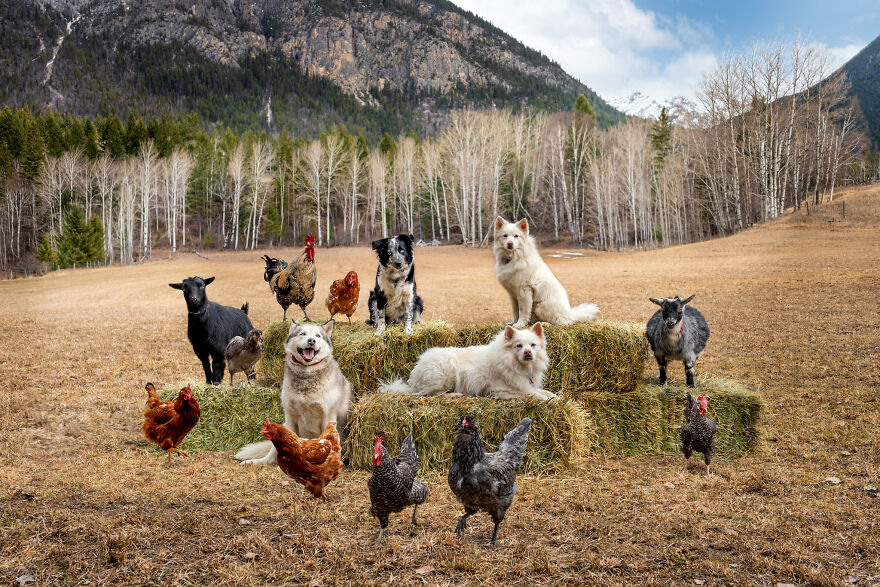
{"x": 388, "y": 146}
{"x": 91, "y": 146}
{"x": 113, "y": 136}
{"x": 46, "y": 253}
{"x": 582, "y": 107}
{"x": 135, "y": 134}
{"x": 81, "y": 242}
{"x": 661, "y": 137}
{"x": 33, "y": 153}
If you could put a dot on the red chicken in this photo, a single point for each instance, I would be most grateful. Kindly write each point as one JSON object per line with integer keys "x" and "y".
{"x": 343, "y": 298}
{"x": 312, "y": 463}
{"x": 167, "y": 423}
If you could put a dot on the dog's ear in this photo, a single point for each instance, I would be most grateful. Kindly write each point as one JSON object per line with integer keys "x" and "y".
{"x": 408, "y": 238}
{"x": 293, "y": 326}
{"x": 378, "y": 244}
{"x": 523, "y": 225}
{"x": 499, "y": 222}
{"x": 328, "y": 327}
{"x": 208, "y": 280}
{"x": 538, "y": 329}
{"x": 509, "y": 332}
{"x": 176, "y": 285}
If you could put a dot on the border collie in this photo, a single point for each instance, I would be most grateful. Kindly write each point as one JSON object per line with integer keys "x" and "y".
{"x": 394, "y": 300}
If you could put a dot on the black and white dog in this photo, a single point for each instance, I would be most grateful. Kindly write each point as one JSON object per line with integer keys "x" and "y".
{"x": 394, "y": 298}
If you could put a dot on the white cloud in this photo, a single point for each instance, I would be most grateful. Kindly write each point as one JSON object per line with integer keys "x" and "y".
{"x": 837, "y": 56}
{"x": 612, "y": 46}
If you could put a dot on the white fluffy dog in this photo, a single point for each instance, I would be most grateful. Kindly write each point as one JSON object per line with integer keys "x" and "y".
{"x": 535, "y": 293}
{"x": 511, "y": 366}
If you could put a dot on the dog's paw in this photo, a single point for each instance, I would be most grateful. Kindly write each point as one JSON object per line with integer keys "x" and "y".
{"x": 408, "y": 329}
{"x": 379, "y": 330}
{"x": 254, "y": 462}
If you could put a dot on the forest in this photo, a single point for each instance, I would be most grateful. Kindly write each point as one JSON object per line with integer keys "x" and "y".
{"x": 768, "y": 136}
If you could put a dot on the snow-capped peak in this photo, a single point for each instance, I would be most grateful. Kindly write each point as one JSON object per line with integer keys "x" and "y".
{"x": 638, "y": 104}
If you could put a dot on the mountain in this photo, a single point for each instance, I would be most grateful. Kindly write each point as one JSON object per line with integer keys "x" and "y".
{"x": 377, "y": 65}
{"x": 638, "y": 104}
{"x": 863, "y": 73}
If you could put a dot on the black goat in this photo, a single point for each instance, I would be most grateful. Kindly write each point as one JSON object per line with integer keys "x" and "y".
{"x": 211, "y": 326}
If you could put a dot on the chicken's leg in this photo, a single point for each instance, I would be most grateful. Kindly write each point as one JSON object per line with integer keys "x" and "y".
{"x": 495, "y": 532}
{"x": 284, "y": 319}
{"x": 306, "y": 314}
{"x": 462, "y": 523}
{"x": 414, "y": 520}
{"x": 177, "y": 450}
{"x": 380, "y": 536}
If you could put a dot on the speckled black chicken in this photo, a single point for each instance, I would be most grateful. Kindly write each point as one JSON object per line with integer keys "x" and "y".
{"x": 481, "y": 480}
{"x": 698, "y": 432}
{"x": 295, "y": 284}
{"x": 393, "y": 486}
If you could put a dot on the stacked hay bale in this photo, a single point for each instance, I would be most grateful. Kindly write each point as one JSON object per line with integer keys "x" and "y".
{"x": 607, "y": 407}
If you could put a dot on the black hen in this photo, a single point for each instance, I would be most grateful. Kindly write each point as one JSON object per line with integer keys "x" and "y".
{"x": 485, "y": 481}
{"x": 273, "y": 266}
{"x": 392, "y": 485}
{"x": 698, "y": 433}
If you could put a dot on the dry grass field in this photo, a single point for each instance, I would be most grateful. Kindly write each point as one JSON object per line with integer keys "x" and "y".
{"x": 794, "y": 308}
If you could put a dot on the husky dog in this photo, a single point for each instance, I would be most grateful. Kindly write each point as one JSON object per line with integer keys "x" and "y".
{"x": 394, "y": 300}
{"x": 314, "y": 391}
{"x": 511, "y": 366}
{"x": 535, "y": 293}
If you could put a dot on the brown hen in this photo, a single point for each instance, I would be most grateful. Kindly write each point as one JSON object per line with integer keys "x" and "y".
{"x": 167, "y": 423}
{"x": 312, "y": 463}
{"x": 343, "y": 298}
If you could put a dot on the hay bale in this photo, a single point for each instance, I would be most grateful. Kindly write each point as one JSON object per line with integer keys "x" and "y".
{"x": 649, "y": 420}
{"x": 600, "y": 356}
{"x": 561, "y": 430}
{"x": 230, "y": 417}
{"x": 646, "y": 421}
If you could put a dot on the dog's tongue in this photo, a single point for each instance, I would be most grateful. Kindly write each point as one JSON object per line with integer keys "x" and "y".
{"x": 308, "y": 354}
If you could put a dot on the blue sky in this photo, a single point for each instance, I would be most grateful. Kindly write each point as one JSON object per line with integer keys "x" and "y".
{"x": 663, "y": 47}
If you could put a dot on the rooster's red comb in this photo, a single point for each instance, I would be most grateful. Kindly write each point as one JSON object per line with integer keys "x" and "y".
{"x": 379, "y": 440}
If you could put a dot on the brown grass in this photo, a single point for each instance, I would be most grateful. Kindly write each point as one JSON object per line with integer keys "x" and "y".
{"x": 794, "y": 313}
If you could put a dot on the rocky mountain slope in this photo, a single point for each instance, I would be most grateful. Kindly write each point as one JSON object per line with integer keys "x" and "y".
{"x": 364, "y": 62}
{"x": 863, "y": 73}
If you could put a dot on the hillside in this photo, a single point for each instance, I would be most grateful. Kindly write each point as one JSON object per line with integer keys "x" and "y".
{"x": 302, "y": 64}
{"x": 863, "y": 72}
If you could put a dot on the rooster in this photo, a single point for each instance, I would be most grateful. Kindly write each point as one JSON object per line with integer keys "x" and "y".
{"x": 167, "y": 423}
{"x": 312, "y": 463}
{"x": 698, "y": 433}
{"x": 295, "y": 283}
{"x": 343, "y": 298}
{"x": 392, "y": 485}
{"x": 481, "y": 480}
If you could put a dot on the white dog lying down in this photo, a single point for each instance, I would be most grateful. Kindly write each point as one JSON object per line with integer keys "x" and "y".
{"x": 535, "y": 293}
{"x": 511, "y": 366}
